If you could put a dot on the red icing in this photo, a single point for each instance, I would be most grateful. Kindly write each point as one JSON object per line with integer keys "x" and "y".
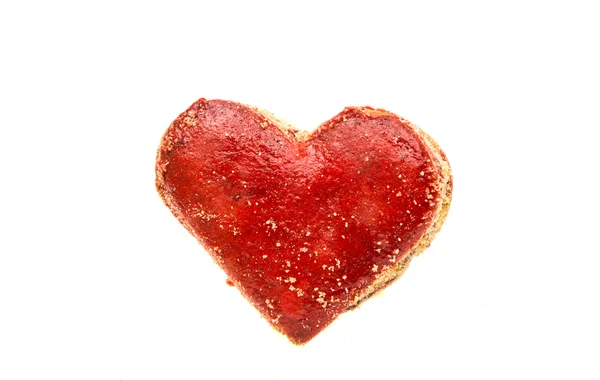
{"x": 300, "y": 227}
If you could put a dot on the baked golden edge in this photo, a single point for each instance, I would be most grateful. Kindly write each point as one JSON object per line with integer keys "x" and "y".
{"x": 444, "y": 186}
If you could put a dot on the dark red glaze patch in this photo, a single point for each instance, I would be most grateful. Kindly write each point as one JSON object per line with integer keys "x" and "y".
{"x": 300, "y": 225}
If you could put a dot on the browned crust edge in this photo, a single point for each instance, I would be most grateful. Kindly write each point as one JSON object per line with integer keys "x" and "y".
{"x": 445, "y": 186}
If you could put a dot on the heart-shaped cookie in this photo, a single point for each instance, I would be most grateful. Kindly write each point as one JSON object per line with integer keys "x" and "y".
{"x": 306, "y": 226}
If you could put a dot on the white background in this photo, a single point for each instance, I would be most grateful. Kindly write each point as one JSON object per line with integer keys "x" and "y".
{"x": 99, "y": 281}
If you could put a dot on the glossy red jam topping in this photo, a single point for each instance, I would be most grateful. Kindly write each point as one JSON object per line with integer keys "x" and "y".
{"x": 302, "y": 225}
